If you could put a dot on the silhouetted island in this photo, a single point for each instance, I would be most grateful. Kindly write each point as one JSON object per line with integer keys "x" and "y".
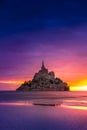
{"x": 44, "y": 81}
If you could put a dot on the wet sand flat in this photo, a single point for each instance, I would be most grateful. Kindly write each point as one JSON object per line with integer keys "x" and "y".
{"x": 43, "y": 111}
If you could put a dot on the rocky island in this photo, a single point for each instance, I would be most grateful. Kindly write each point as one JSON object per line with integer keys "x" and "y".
{"x": 44, "y": 81}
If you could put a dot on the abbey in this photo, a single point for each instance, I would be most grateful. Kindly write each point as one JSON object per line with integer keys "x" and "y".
{"x": 44, "y": 80}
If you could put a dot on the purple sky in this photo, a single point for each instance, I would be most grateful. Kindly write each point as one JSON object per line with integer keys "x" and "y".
{"x": 64, "y": 51}
{"x": 30, "y": 31}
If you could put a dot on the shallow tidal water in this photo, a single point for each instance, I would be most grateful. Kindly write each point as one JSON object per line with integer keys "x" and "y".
{"x": 43, "y": 110}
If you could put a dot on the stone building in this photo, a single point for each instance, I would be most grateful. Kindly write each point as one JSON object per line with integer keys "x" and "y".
{"x": 44, "y": 80}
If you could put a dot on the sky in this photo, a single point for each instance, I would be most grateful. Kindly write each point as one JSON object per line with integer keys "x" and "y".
{"x": 55, "y": 31}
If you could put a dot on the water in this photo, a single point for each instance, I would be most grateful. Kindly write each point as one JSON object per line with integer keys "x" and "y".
{"x": 43, "y": 110}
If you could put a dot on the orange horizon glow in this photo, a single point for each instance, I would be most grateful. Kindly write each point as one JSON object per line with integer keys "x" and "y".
{"x": 10, "y": 82}
{"x": 78, "y": 88}
{"x": 80, "y": 85}
{"x": 74, "y": 86}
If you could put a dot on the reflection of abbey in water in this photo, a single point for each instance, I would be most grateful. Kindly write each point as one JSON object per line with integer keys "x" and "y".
{"x": 45, "y": 81}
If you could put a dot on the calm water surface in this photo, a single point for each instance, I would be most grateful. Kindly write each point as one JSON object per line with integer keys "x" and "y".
{"x": 43, "y": 111}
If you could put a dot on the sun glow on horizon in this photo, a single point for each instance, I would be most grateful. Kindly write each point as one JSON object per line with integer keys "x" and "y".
{"x": 74, "y": 86}
{"x": 80, "y": 85}
{"x": 10, "y": 82}
{"x": 78, "y": 88}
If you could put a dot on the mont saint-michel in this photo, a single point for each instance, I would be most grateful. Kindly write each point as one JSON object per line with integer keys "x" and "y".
{"x": 44, "y": 80}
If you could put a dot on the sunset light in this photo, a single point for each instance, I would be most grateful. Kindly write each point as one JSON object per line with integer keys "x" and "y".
{"x": 78, "y": 88}
{"x": 72, "y": 88}
{"x": 43, "y": 64}
{"x": 79, "y": 85}
{"x": 75, "y": 107}
{"x": 59, "y": 39}
{"x": 10, "y": 82}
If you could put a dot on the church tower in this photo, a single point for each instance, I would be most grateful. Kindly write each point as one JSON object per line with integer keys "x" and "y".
{"x": 43, "y": 67}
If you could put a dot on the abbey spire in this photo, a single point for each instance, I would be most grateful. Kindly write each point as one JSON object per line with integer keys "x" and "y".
{"x": 44, "y": 80}
{"x": 43, "y": 66}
